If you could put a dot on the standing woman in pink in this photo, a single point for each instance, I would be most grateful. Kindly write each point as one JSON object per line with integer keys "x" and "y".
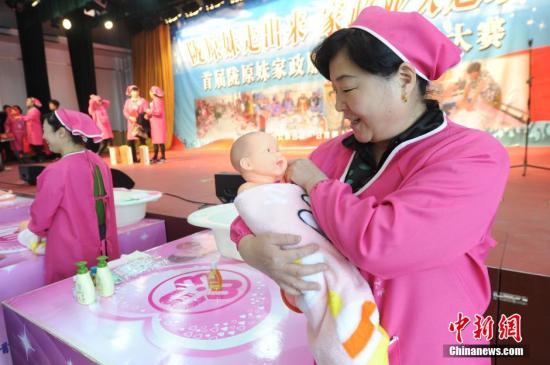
{"x": 155, "y": 114}
{"x": 97, "y": 108}
{"x": 74, "y": 204}
{"x": 133, "y": 107}
{"x": 34, "y": 127}
{"x": 16, "y": 126}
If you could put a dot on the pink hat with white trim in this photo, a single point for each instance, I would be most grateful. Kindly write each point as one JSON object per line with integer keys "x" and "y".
{"x": 157, "y": 91}
{"x": 79, "y": 124}
{"x": 129, "y": 89}
{"x": 36, "y": 102}
{"x": 413, "y": 38}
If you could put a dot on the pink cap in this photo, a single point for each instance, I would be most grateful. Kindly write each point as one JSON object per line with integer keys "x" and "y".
{"x": 36, "y": 102}
{"x": 157, "y": 91}
{"x": 413, "y": 38}
{"x": 94, "y": 97}
{"x": 129, "y": 89}
{"x": 79, "y": 124}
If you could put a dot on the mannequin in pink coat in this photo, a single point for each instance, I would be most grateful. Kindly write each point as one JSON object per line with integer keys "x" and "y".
{"x": 133, "y": 107}
{"x": 155, "y": 114}
{"x": 97, "y": 108}
{"x": 34, "y": 127}
{"x": 16, "y": 126}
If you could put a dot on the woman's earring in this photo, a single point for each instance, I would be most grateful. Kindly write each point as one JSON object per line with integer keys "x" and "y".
{"x": 404, "y": 98}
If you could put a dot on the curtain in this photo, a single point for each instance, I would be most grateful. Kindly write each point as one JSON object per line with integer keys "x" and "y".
{"x": 152, "y": 65}
{"x": 540, "y": 88}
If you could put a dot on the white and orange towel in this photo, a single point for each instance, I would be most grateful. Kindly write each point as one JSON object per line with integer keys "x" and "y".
{"x": 343, "y": 320}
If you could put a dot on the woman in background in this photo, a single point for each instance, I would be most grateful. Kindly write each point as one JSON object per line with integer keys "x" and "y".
{"x": 133, "y": 107}
{"x": 155, "y": 114}
{"x": 97, "y": 108}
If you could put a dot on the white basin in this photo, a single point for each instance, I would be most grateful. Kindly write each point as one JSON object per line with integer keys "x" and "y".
{"x": 131, "y": 205}
{"x": 218, "y": 218}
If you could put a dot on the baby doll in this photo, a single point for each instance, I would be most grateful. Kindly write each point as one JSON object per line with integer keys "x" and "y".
{"x": 343, "y": 320}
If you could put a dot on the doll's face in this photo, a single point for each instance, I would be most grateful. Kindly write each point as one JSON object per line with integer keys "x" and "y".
{"x": 260, "y": 157}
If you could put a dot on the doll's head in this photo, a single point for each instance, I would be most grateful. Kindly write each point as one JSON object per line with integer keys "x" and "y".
{"x": 257, "y": 158}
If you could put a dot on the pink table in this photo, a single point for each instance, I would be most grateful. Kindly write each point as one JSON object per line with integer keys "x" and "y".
{"x": 165, "y": 316}
{"x": 22, "y": 271}
{"x": 16, "y": 210}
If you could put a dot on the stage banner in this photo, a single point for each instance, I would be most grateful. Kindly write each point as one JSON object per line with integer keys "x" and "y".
{"x": 246, "y": 67}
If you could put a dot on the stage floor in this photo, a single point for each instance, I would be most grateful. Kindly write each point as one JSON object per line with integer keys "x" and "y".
{"x": 522, "y": 217}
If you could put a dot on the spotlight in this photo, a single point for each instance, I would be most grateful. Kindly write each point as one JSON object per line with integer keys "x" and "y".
{"x": 212, "y": 4}
{"x": 171, "y": 16}
{"x": 66, "y": 24}
{"x": 192, "y": 9}
{"x": 108, "y": 25}
{"x": 35, "y": 3}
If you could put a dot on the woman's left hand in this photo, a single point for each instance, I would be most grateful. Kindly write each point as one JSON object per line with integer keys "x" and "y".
{"x": 303, "y": 172}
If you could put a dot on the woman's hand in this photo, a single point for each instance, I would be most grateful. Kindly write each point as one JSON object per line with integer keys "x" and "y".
{"x": 303, "y": 172}
{"x": 23, "y": 225}
{"x": 271, "y": 254}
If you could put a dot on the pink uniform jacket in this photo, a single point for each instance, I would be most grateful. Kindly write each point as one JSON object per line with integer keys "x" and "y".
{"x": 34, "y": 126}
{"x": 17, "y": 127}
{"x": 101, "y": 117}
{"x": 64, "y": 212}
{"x": 419, "y": 232}
{"x": 132, "y": 109}
{"x": 158, "y": 121}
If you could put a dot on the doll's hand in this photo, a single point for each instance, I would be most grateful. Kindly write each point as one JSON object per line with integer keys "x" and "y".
{"x": 303, "y": 172}
{"x": 272, "y": 254}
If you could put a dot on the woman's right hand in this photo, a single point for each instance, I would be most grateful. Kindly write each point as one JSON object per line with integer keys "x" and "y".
{"x": 271, "y": 254}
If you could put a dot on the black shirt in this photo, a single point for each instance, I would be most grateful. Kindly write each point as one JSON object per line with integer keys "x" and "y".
{"x": 364, "y": 167}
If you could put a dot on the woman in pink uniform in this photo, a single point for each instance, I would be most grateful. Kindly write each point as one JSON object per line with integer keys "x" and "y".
{"x": 155, "y": 114}
{"x": 133, "y": 107}
{"x": 16, "y": 126}
{"x": 74, "y": 205}
{"x": 409, "y": 197}
{"x": 34, "y": 127}
{"x": 97, "y": 108}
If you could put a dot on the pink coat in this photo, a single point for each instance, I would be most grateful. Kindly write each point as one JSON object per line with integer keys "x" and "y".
{"x": 18, "y": 129}
{"x": 101, "y": 117}
{"x": 132, "y": 109}
{"x": 34, "y": 126}
{"x": 158, "y": 121}
{"x": 64, "y": 212}
{"x": 419, "y": 232}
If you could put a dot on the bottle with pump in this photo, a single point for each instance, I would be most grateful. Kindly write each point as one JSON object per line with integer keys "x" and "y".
{"x": 104, "y": 278}
{"x": 214, "y": 278}
{"x": 84, "y": 287}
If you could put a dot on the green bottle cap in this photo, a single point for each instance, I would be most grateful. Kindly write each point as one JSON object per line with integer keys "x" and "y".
{"x": 82, "y": 269}
{"x": 102, "y": 261}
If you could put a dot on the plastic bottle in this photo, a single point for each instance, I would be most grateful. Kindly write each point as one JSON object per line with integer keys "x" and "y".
{"x": 214, "y": 278}
{"x": 84, "y": 287}
{"x": 104, "y": 278}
